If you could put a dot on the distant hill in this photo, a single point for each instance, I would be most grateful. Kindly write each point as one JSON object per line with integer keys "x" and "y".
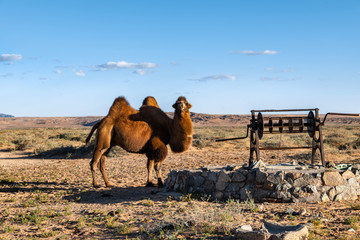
{"x": 5, "y": 115}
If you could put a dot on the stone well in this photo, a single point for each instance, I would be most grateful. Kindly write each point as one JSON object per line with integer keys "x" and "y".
{"x": 288, "y": 183}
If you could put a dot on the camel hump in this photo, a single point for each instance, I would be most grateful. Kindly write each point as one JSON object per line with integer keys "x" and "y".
{"x": 150, "y": 101}
{"x": 120, "y": 107}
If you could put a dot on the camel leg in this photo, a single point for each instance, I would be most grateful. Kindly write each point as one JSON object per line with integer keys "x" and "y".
{"x": 102, "y": 168}
{"x": 156, "y": 155}
{"x": 158, "y": 174}
{"x": 150, "y": 167}
{"x": 95, "y": 161}
{"x": 160, "y": 154}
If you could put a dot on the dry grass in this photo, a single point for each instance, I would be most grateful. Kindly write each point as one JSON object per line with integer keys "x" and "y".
{"x": 54, "y": 199}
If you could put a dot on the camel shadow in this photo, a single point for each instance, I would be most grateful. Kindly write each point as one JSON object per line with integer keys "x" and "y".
{"x": 28, "y": 186}
{"x": 121, "y": 195}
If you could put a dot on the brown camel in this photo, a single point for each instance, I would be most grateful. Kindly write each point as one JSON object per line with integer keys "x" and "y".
{"x": 146, "y": 131}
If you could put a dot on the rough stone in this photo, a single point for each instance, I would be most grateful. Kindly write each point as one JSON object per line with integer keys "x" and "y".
{"x": 311, "y": 189}
{"x": 333, "y": 179}
{"x": 212, "y": 176}
{"x": 223, "y": 177}
{"x": 220, "y": 186}
{"x": 285, "y": 232}
{"x": 324, "y": 198}
{"x": 259, "y": 194}
{"x": 246, "y": 228}
{"x": 302, "y": 182}
{"x": 250, "y": 235}
{"x": 313, "y": 198}
{"x": 277, "y": 178}
{"x": 353, "y": 183}
{"x": 260, "y": 176}
{"x": 332, "y": 194}
{"x": 293, "y": 175}
{"x": 347, "y": 174}
{"x": 260, "y": 185}
{"x": 234, "y": 187}
{"x": 219, "y": 195}
{"x": 238, "y": 177}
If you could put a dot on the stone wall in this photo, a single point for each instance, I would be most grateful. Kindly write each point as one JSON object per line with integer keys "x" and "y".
{"x": 309, "y": 185}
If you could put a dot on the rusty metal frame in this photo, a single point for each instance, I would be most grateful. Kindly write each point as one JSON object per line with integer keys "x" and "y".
{"x": 294, "y": 124}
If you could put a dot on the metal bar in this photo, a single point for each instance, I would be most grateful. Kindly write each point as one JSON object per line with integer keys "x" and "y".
{"x": 284, "y": 131}
{"x": 287, "y": 125}
{"x": 285, "y": 118}
{"x": 283, "y": 148}
{"x": 285, "y": 110}
{"x": 340, "y": 114}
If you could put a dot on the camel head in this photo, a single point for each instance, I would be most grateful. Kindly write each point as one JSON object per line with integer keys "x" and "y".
{"x": 182, "y": 105}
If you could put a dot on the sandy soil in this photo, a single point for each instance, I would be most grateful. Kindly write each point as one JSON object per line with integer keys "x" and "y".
{"x": 68, "y": 207}
{"x": 54, "y": 198}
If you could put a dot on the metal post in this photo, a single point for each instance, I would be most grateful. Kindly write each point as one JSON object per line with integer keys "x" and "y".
{"x": 252, "y": 149}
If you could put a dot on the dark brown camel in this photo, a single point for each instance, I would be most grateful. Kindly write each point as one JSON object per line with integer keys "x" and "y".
{"x": 146, "y": 131}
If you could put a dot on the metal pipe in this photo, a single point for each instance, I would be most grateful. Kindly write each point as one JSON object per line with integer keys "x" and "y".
{"x": 283, "y": 148}
{"x": 237, "y": 138}
{"x": 285, "y": 110}
{"x": 340, "y": 114}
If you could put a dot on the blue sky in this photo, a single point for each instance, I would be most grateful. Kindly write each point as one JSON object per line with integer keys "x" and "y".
{"x": 72, "y": 58}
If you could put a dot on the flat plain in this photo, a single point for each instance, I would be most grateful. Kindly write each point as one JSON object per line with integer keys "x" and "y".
{"x": 46, "y": 191}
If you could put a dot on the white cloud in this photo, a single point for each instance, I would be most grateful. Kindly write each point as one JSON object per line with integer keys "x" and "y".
{"x": 216, "y": 77}
{"x": 80, "y": 73}
{"x": 289, "y": 70}
{"x": 58, "y": 71}
{"x": 279, "y": 79}
{"x": 126, "y": 65}
{"x": 251, "y": 52}
{"x": 140, "y": 72}
{"x": 10, "y": 57}
{"x": 6, "y": 75}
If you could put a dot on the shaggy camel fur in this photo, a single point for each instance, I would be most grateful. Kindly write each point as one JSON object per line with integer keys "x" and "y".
{"x": 146, "y": 131}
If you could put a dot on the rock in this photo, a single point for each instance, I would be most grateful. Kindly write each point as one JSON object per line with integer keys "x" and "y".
{"x": 324, "y": 198}
{"x": 259, "y": 194}
{"x": 332, "y": 194}
{"x": 294, "y": 175}
{"x": 338, "y": 197}
{"x": 250, "y": 235}
{"x": 219, "y": 195}
{"x": 223, "y": 177}
{"x": 220, "y": 186}
{"x": 246, "y": 228}
{"x": 347, "y": 174}
{"x": 212, "y": 176}
{"x": 285, "y": 232}
{"x": 260, "y": 176}
{"x": 234, "y": 187}
{"x": 333, "y": 179}
{"x": 311, "y": 189}
{"x": 302, "y": 212}
{"x": 352, "y": 182}
{"x": 277, "y": 178}
{"x": 238, "y": 177}
{"x": 290, "y": 211}
{"x": 222, "y": 181}
{"x": 302, "y": 182}
{"x": 313, "y": 198}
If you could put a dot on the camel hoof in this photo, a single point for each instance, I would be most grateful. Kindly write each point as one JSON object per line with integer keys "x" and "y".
{"x": 109, "y": 186}
{"x": 160, "y": 183}
{"x": 150, "y": 184}
{"x": 96, "y": 186}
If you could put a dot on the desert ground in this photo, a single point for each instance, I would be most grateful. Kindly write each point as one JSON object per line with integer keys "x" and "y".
{"x": 46, "y": 190}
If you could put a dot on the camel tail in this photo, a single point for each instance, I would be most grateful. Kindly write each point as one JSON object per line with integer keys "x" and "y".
{"x": 96, "y": 126}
